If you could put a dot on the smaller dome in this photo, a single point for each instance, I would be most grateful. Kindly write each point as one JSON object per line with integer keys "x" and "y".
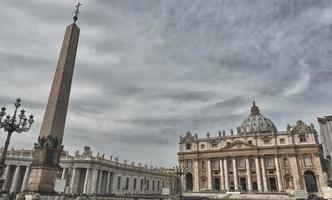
{"x": 257, "y": 123}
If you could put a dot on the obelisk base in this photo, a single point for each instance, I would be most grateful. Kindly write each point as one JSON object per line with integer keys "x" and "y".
{"x": 44, "y": 167}
{"x": 42, "y": 180}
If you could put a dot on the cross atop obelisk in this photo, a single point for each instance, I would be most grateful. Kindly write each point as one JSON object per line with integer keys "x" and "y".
{"x": 45, "y": 164}
{"x": 77, "y": 11}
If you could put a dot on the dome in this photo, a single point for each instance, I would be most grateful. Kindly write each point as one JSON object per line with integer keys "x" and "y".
{"x": 257, "y": 123}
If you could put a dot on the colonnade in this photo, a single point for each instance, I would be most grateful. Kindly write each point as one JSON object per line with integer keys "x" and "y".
{"x": 16, "y": 178}
{"x": 103, "y": 182}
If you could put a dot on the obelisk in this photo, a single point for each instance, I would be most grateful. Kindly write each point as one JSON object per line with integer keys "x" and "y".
{"x": 45, "y": 164}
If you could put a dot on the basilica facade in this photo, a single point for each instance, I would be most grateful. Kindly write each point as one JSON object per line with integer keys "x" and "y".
{"x": 256, "y": 159}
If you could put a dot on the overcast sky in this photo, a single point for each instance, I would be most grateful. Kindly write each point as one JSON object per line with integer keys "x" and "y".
{"x": 147, "y": 71}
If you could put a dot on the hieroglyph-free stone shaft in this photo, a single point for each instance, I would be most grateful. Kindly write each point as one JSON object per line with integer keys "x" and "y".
{"x": 48, "y": 148}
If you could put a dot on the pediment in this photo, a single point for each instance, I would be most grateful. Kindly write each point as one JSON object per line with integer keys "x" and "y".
{"x": 238, "y": 144}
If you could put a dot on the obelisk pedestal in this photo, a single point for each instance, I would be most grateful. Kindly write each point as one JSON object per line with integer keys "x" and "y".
{"x": 45, "y": 164}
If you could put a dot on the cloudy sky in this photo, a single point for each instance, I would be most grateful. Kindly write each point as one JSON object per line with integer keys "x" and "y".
{"x": 147, "y": 71}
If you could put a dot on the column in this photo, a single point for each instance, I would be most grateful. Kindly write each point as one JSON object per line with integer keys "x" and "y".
{"x": 264, "y": 175}
{"x": 87, "y": 181}
{"x": 226, "y": 174}
{"x": 258, "y": 174}
{"x": 236, "y": 182}
{"x": 94, "y": 178}
{"x": 222, "y": 177}
{"x": 5, "y": 186}
{"x": 99, "y": 181}
{"x": 196, "y": 176}
{"x": 248, "y": 174}
{"x": 276, "y": 161}
{"x": 209, "y": 181}
{"x": 15, "y": 184}
{"x": 108, "y": 183}
{"x": 72, "y": 188}
{"x": 63, "y": 175}
{"x": 26, "y": 178}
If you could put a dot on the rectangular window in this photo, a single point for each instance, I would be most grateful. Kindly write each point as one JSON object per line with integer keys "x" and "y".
{"x": 269, "y": 162}
{"x": 163, "y": 184}
{"x": 147, "y": 184}
{"x": 306, "y": 161}
{"x": 214, "y": 145}
{"x": 228, "y": 143}
{"x": 303, "y": 138}
{"x": 241, "y": 164}
{"x": 189, "y": 165}
{"x": 153, "y": 185}
{"x": 127, "y": 183}
{"x": 266, "y": 141}
{"x": 202, "y": 146}
{"x": 134, "y": 187}
{"x": 282, "y": 140}
{"x": 215, "y": 164}
{"x": 249, "y": 141}
{"x": 158, "y": 185}
{"x": 118, "y": 187}
{"x": 188, "y": 146}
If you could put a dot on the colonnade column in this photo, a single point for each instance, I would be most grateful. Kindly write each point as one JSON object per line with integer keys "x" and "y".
{"x": 6, "y": 176}
{"x": 276, "y": 161}
{"x": 226, "y": 174}
{"x": 108, "y": 182}
{"x": 196, "y": 176}
{"x": 209, "y": 179}
{"x": 99, "y": 181}
{"x": 258, "y": 175}
{"x": 222, "y": 177}
{"x": 73, "y": 184}
{"x": 248, "y": 175}
{"x": 236, "y": 182}
{"x": 87, "y": 182}
{"x": 264, "y": 174}
{"x": 16, "y": 178}
{"x": 94, "y": 178}
{"x": 26, "y": 178}
{"x": 64, "y": 172}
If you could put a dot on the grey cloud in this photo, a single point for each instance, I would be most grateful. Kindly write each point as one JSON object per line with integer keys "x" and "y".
{"x": 148, "y": 71}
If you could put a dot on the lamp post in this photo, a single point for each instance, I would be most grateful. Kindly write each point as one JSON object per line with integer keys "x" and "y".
{"x": 180, "y": 172}
{"x": 16, "y": 123}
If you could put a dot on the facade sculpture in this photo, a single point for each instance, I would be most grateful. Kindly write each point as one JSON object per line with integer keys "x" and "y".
{"x": 258, "y": 159}
{"x": 88, "y": 174}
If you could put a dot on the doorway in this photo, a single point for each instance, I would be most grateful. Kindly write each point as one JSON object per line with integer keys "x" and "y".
{"x": 216, "y": 184}
{"x": 189, "y": 181}
{"x": 243, "y": 184}
{"x": 273, "y": 184}
{"x": 310, "y": 181}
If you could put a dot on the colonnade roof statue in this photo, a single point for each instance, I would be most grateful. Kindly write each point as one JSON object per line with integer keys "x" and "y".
{"x": 48, "y": 148}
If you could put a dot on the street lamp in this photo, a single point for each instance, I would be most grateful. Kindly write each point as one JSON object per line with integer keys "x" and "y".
{"x": 16, "y": 123}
